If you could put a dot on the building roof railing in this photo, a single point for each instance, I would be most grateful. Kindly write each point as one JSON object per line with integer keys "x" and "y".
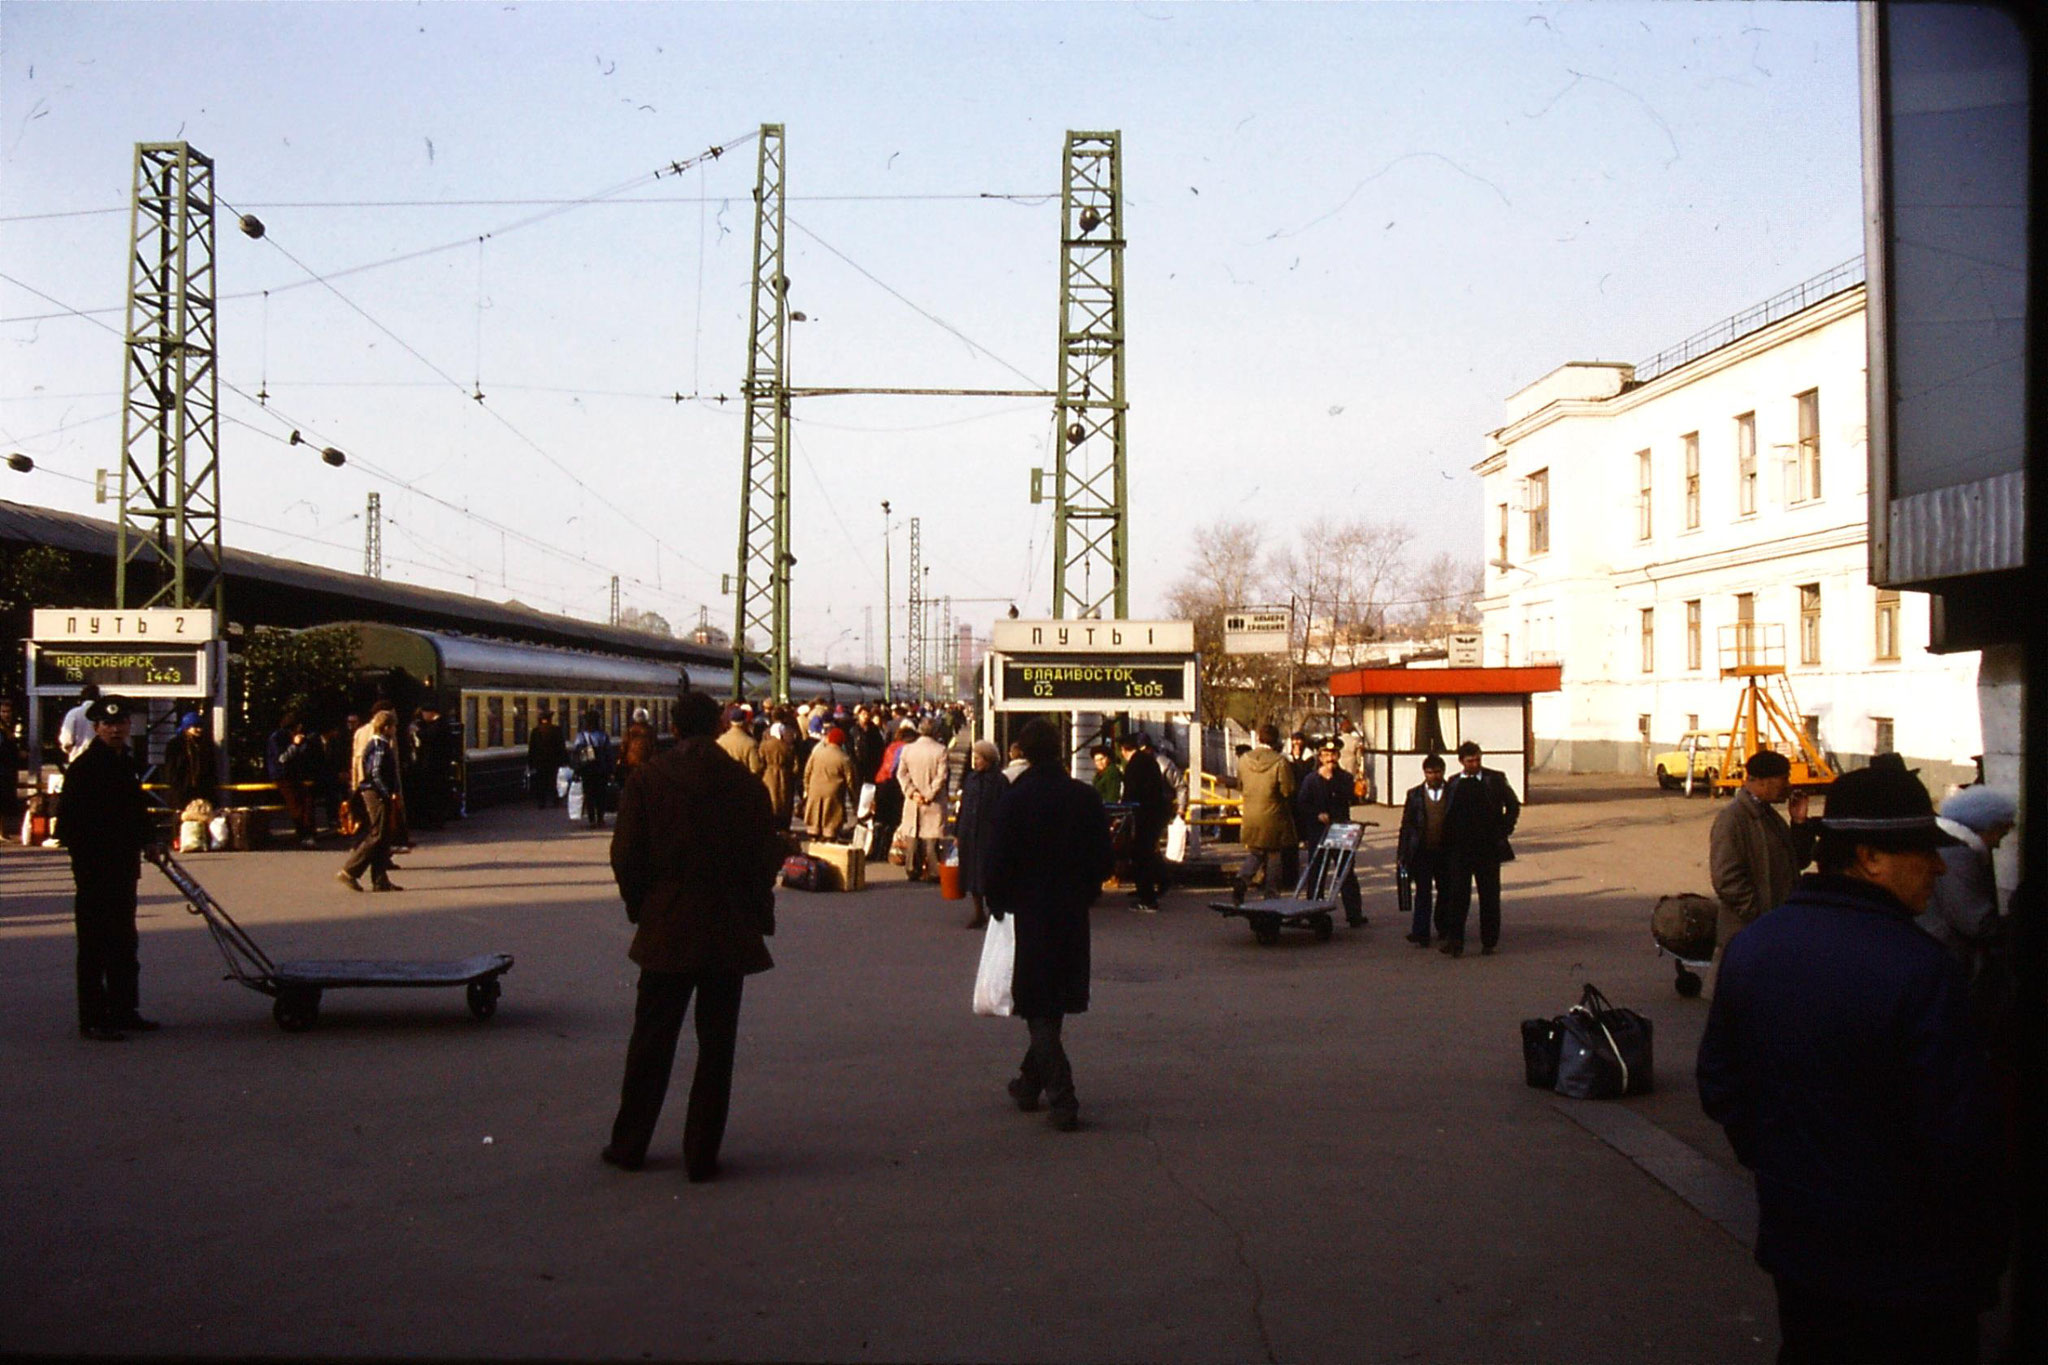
{"x": 1800, "y": 296}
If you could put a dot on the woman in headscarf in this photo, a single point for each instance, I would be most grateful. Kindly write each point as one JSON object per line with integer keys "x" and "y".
{"x": 1963, "y": 915}
{"x": 980, "y": 790}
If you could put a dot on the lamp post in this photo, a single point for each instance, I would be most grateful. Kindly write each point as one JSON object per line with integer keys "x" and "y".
{"x": 888, "y": 664}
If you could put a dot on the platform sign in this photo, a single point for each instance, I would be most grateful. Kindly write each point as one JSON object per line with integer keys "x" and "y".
{"x": 101, "y": 625}
{"x": 1265, "y": 631}
{"x": 1099, "y": 684}
{"x": 1092, "y": 637}
{"x": 125, "y": 669}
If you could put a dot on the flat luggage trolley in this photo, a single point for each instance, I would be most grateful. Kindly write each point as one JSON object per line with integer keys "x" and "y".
{"x": 296, "y": 986}
{"x": 1315, "y": 896}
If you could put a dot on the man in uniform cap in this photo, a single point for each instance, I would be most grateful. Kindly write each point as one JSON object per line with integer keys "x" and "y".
{"x": 106, "y": 823}
{"x": 1841, "y": 1057}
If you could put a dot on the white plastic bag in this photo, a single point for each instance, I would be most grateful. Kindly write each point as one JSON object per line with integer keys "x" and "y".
{"x": 1177, "y": 840}
{"x": 573, "y": 801}
{"x": 565, "y": 778}
{"x": 864, "y": 809}
{"x": 192, "y": 836}
{"x": 998, "y": 966}
{"x": 217, "y": 831}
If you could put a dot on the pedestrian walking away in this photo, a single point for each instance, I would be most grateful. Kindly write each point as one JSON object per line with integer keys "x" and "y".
{"x": 1841, "y": 1057}
{"x": 1419, "y": 853}
{"x": 1048, "y": 855}
{"x": 1267, "y": 783}
{"x": 829, "y": 793}
{"x": 1325, "y": 798}
{"x": 695, "y": 855}
{"x": 106, "y": 822}
{"x": 590, "y": 753}
{"x": 376, "y": 778}
{"x": 1481, "y": 815}
{"x": 1144, "y": 787}
{"x": 1753, "y": 856}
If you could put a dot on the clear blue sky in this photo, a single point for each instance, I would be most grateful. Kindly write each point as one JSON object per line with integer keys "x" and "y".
{"x": 1354, "y": 229}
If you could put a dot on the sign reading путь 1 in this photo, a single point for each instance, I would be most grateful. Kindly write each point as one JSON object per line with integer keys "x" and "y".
{"x": 1108, "y": 685}
{"x": 1092, "y": 637}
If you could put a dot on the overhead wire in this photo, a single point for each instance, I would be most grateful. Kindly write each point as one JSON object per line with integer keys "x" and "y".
{"x": 992, "y": 196}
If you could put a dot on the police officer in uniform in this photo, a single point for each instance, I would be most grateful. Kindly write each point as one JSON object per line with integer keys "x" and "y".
{"x": 105, "y": 822}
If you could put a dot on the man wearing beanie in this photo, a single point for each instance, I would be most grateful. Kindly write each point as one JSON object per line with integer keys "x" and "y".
{"x": 1752, "y": 853}
{"x": 1841, "y": 1058}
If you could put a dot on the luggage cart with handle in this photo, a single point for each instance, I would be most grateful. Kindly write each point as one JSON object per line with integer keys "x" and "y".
{"x": 1315, "y": 897}
{"x": 297, "y": 986}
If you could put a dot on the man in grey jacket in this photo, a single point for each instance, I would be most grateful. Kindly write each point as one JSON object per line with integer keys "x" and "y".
{"x": 1753, "y": 855}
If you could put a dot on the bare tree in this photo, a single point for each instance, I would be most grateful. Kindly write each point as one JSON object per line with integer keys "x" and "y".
{"x": 651, "y": 622}
{"x": 1227, "y": 571}
{"x": 1442, "y": 595}
{"x": 1340, "y": 576}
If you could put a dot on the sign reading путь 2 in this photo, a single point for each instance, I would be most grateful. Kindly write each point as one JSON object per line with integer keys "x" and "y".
{"x": 1095, "y": 685}
{"x": 139, "y": 671}
{"x": 101, "y": 625}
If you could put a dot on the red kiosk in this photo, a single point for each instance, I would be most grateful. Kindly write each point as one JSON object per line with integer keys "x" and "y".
{"x": 1407, "y": 713}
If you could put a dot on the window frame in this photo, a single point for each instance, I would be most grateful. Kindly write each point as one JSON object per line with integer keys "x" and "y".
{"x": 1806, "y": 484}
{"x": 1694, "y": 646}
{"x": 1537, "y": 502}
{"x": 1645, "y": 483}
{"x": 1809, "y": 625}
{"x": 1885, "y": 626}
{"x": 1648, "y": 629}
{"x": 1691, "y": 444}
{"x": 1745, "y": 465}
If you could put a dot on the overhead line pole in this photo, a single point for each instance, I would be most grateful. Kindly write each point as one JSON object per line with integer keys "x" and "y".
{"x": 761, "y": 585}
{"x": 1090, "y": 509}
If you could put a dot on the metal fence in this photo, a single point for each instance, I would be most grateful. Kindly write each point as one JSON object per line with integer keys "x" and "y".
{"x": 1847, "y": 275}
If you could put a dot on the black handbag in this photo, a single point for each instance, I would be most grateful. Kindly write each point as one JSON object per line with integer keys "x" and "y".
{"x": 1604, "y": 1051}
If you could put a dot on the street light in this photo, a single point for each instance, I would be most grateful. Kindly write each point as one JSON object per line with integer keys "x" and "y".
{"x": 327, "y": 453}
{"x": 20, "y": 463}
{"x": 888, "y": 641}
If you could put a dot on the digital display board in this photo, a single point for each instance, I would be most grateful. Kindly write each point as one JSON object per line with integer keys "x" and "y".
{"x": 1095, "y": 683}
{"x": 59, "y": 666}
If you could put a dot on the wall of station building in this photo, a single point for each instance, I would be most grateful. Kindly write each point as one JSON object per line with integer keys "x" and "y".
{"x": 1778, "y": 537}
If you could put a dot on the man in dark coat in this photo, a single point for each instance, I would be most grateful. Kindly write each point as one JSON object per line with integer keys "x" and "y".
{"x": 1325, "y": 798}
{"x": 546, "y": 752}
{"x": 1048, "y": 857}
{"x": 1420, "y": 850}
{"x": 695, "y": 853}
{"x": 1482, "y": 814}
{"x": 104, "y": 818}
{"x": 1144, "y": 787}
{"x": 1841, "y": 1057}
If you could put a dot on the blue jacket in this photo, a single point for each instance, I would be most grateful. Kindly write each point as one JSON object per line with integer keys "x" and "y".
{"x": 1841, "y": 1058}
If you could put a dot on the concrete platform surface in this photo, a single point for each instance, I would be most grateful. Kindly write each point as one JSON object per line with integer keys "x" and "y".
{"x": 1305, "y": 1152}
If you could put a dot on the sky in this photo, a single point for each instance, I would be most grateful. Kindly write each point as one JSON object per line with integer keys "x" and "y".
{"x": 1353, "y": 231}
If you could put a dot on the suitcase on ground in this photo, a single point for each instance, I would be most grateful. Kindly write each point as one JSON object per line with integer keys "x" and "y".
{"x": 802, "y": 872}
{"x": 846, "y": 865}
{"x": 248, "y": 829}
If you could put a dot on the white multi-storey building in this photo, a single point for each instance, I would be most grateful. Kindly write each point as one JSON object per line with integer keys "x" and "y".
{"x": 1632, "y": 513}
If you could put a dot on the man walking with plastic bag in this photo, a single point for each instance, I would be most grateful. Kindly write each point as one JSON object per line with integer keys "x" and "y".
{"x": 1048, "y": 856}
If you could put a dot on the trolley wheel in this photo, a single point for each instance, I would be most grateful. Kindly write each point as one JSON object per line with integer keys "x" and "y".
{"x": 1688, "y": 982}
{"x": 1323, "y": 927}
{"x": 296, "y": 1010}
{"x": 1266, "y": 928}
{"x": 483, "y": 998}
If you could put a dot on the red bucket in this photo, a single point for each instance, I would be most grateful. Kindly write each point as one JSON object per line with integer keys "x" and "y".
{"x": 949, "y": 882}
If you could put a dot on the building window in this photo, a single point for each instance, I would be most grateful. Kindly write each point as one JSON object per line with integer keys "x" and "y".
{"x": 1539, "y": 512}
{"x": 1692, "y": 721}
{"x": 1643, "y": 495}
{"x": 1806, "y": 458}
{"x": 1500, "y": 561}
{"x": 1887, "y": 623}
{"x": 1882, "y": 744}
{"x": 1692, "y": 636}
{"x": 1809, "y": 623}
{"x": 1745, "y": 629}
{"x": 1692, "y": 481}
{"x": 1649, "y": 639}
{"x": 1745, "y": 465}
